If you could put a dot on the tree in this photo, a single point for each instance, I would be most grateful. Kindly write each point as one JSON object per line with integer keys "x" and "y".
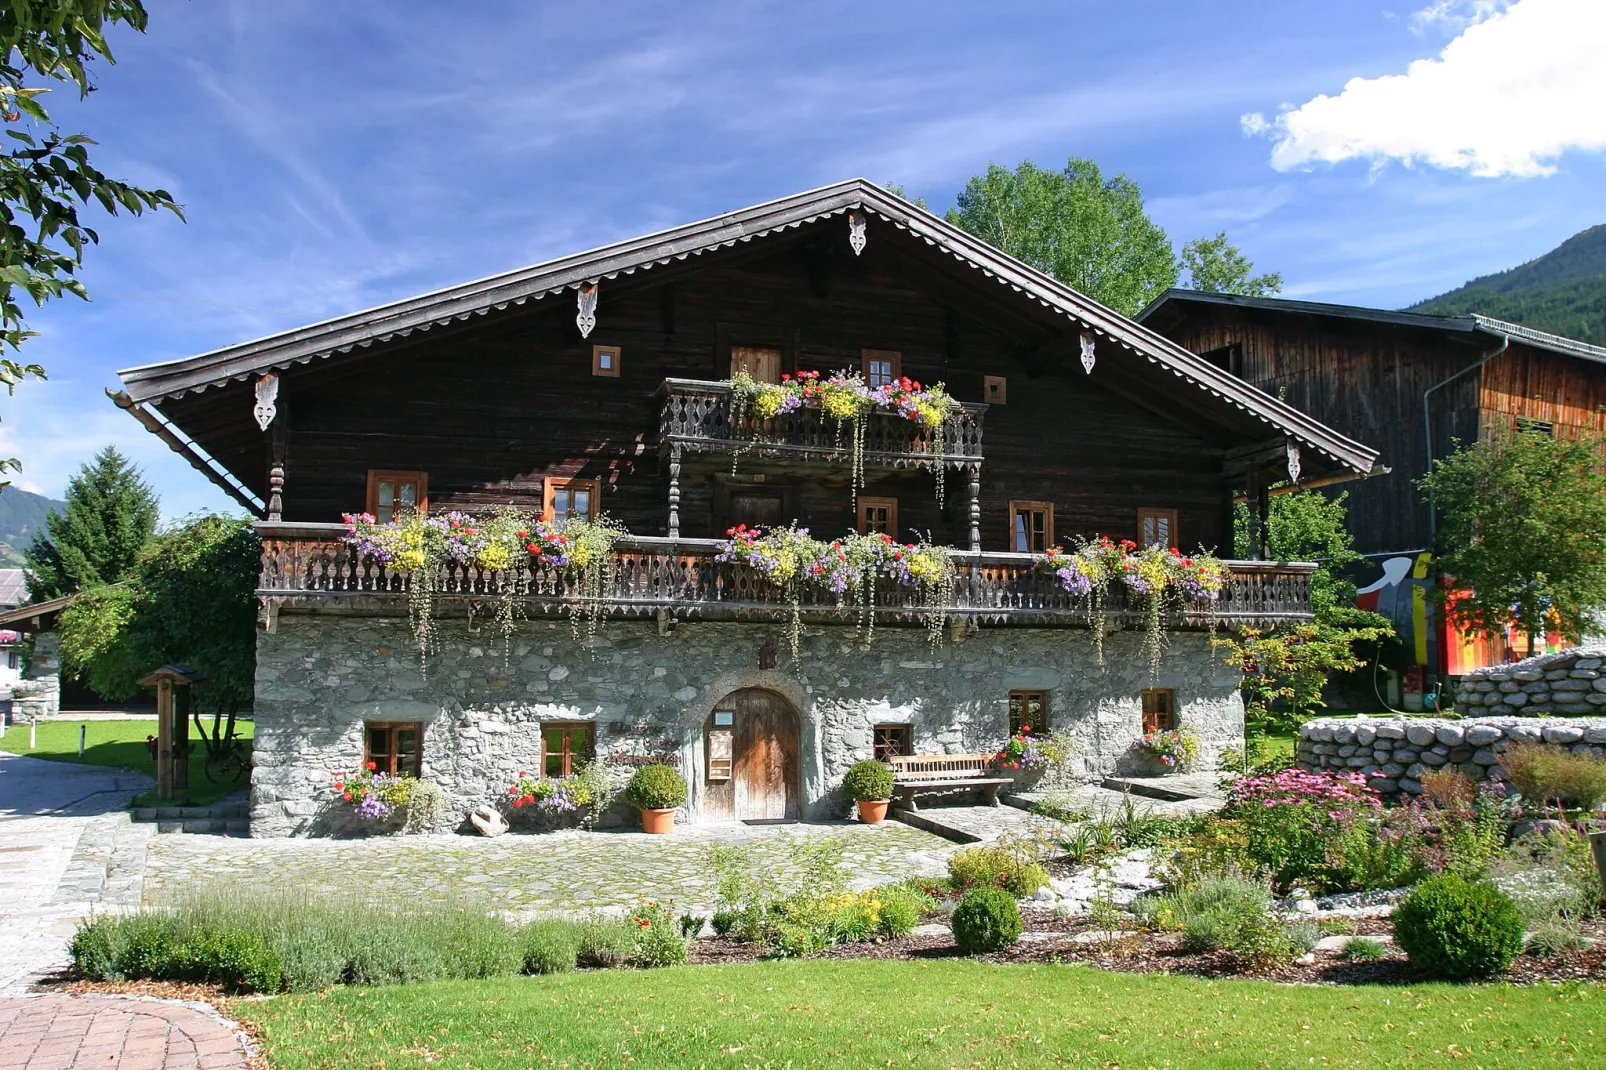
{"x": 1521, "y": 535}
{"x": 191, "y": 599}
{"x": 1214, "y": 265}
{"x": 46, "y": 176}
{"x": 111, "y": 515}
{"x": 1088, "y": 232}
{"x": 897, "y": 190}
{"x": 1309, "y": 526}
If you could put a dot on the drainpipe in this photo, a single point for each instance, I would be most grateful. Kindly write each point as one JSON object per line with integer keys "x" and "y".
{"x": 1427, "y": 427}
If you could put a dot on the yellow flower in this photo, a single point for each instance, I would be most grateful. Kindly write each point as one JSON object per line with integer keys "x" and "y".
{"x": 768, "y": 401}
{"x": 410, "y": 559}
{"x": 579, "y": 555}
{"x": 495, "y": 556}
{"x": 840, "y": 405}
{"x": 931, "y": 414}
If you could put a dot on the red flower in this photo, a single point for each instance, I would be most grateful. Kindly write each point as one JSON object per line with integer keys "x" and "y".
{"x": 785, "y": 378}
{"x": 522, "y": 773}
{"x": 534, "y": 549}
{"x": 514, "y": 790}
{"x": 371, "y": 766}
{"x": 524, "y": 534}
{"x": 518, "y": 804}
{"x": 529, "y": 800}
{"x": 1025, "y": 728}
{"x": 346, "y": 796}
{"x": 340, "y": 785}
{"x": 1014, "y": 765}
{"x": 643, "y": 922}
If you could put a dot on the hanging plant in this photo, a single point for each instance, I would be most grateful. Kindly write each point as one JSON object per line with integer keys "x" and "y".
{"x": 588, "y": 545}
{"x": 414, "y": 545}
{"x": 1162, "y": 580}
{"x": 782, "y": 556}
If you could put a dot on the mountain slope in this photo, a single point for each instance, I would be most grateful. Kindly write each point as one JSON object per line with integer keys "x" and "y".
{"x": 21, "y": 515}
{"x": 1563, "y": 292}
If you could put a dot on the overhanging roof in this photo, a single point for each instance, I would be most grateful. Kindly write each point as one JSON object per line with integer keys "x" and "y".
{"x": 148, "y": 384}
{"x": 1469, "y": 325}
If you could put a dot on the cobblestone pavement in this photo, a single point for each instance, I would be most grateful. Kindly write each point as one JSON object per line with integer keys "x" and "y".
{"x": 528, "y": 874}
{"x": 66, "y": 846}
{"x": 76, "y": 1033}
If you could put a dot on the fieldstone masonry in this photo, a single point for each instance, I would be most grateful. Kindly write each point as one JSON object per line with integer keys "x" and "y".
{"x": 1566, "y": 682}
{"x": 38, "y": 695}
{"x": 1393, "y": 754}
{"x": 481, "y": 701}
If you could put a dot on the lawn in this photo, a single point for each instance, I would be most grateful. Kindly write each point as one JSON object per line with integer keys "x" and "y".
{"x": 121, "y": 745}
{"x": 942, "y": 1013}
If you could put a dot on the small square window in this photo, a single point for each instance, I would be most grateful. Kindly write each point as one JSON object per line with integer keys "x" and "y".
{"x": 878, "y": 516}
{"x": 1157, "y": 527}
{"x": 892, "y": 741}
{"x": 396, "y": 748}
{"x": 995, "y": 389}
{"x": 605, "y": 360}
{"x": 1159, "y": 709}
{"x": 566, "y": 498}
{"x": 1028, "y": 712}
{"x": 1031, "y": 527}
{"x": 566, "y": 747}
{"x": 395, "y": 494}
{"x": 881, "y": 367}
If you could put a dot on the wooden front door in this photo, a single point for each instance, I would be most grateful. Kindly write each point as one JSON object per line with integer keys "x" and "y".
{"x": 763, "y": 363}
{"x": 758, "y": 509}
{"x": 763, "y": 768}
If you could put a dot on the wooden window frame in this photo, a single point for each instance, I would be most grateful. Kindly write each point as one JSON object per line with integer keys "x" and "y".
{"x": 552, "y": 484}
{"x": 1170, "y": 515}
{"x": 570, "y": 767}
{"x": 1158, "y": 715}
{"x": 377, "y": 476}
{"x": 598, "y": 352}
{"x": 1023, "y": 695}
{"x": 1018, "y": 507}
{"x": 891, "y": 506}
{"x": 391, "y": 728}
{"x": 995, "y": 389}
{"x": 903, "y": 728}
{"x": 891, "y": 356}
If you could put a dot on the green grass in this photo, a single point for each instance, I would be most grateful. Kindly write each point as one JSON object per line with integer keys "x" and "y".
{"x": 121, "y": 745}
{"x": 941, "y": 1013}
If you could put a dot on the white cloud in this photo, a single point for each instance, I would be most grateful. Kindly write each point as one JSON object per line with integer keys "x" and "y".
{"x": 1517, "y": 88}
{"x": 1455, "y": 15}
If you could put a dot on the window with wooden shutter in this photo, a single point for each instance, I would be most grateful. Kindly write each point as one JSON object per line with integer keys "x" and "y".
{"x": 892, "y": 740}
{"x": 1157, "y": 527}
{"x": 1031, "y": 527}
{"x": 396, "y": 748}
{"x": 566, "y": 498}
{"x": 1028, "y": 712}
{"x": 566, "y": 746}
{"x": 1159, "y": 709}
{"x": 881, "y": 366}
{"x": 395, "y": 494}
{"x": 878, "y": 516}
{"x": 763, "y": 363}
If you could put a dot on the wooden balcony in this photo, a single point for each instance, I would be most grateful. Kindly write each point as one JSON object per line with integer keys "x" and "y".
{"x": 695, "y": 418}
{"x": 307, "y": 568}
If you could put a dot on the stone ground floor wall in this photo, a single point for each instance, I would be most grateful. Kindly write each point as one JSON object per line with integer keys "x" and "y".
{"x": 1395, "y": 753}
{"x": 319, "y": 678}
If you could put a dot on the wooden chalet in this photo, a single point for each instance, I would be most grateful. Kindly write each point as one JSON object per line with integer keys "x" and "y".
{"x": 598, "y": 383}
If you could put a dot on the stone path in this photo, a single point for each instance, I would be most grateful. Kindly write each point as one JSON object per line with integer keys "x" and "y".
{"x": 77, "y": 1033}
{"x": 553, "y": 872}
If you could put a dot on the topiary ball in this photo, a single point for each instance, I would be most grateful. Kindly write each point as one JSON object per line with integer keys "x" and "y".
{"x": 1454, "y": 928}
{"x": 868, "y": 781}
{"x": 986, "y": 919}
{"x": 656, "y": 787}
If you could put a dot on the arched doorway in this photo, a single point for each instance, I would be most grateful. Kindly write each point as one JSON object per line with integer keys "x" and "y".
{"x": 750, "y": 750}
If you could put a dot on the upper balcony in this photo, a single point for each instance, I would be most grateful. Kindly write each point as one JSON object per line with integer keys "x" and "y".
{"x": 308, "y": 567}
{"x": 696, "y": 417}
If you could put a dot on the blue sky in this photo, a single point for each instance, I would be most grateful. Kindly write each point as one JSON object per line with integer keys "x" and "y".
{"x": 336, "y": 155}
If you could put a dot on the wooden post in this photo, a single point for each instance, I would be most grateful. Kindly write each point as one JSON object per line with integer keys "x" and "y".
{"x": 172, "y": 727}
{"x": 975, "y": 508}
{"x": 164, "y": 739}
{"x": 674, "y": 493}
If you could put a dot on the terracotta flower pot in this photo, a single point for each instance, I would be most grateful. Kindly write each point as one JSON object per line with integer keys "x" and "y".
{"x": 658, "y": 822}
{"x": 873, "y": 812}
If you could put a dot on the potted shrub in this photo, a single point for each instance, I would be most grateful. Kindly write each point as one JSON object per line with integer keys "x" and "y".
{"x": 657, "y": 791}
{"x": 1168, "y": 752}
{"x": 869, "y": 783}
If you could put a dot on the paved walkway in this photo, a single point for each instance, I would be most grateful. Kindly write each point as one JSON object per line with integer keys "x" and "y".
{"x": 101, "y": 1032}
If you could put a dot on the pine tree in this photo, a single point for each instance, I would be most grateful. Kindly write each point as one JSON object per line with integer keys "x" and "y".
{"x": 111, "y": 516}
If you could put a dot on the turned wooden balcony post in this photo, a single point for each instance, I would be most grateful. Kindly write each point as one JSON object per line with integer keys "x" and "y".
{"x": 273, "y": 414}
{"x": 674, "y": 492}
{"x": 974, "y": 471}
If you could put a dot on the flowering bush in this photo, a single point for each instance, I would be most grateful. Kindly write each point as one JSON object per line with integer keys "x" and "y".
{"x": 1029, "y": 752}
{"x": 373, "y": 795}
{"x": 556, "y": 796}
{"x": 1296, "y": 822}
{"x": 1174, "y": 749}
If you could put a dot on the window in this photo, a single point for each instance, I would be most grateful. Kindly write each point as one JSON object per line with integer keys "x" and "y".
{"x": 605, "y": 360}
{"x": 994, "y": 389}
{"x": 1157, "y": 527}
{"x": 13, "y": 661}
{"x": 881, "y": 367}
{"x": 1028, "y": 711}
{"x": 878, "y": 516}
{"x": 891, "y": 741}
{"x": 1031, "y": 527}
{"x": 395, "y": 747}
{"x": 565, "y": 498}
{"x": 1229, "y": 358}
{"x": 1543, "y": 427}
{"x": 763, "y": 363}
{"x": 1159, "y": 709}
{"x": 566, "y": 747}
{"x": 393, "y": 494}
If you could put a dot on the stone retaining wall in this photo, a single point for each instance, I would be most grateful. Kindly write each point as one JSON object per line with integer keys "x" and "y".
{"x": 1566, "y": 682}
{"x": 1395, "y": 753}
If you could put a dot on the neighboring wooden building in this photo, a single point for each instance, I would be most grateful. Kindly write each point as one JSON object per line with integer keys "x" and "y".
{"x": 1389, "y": 378}
{"x": 596, "y": 383}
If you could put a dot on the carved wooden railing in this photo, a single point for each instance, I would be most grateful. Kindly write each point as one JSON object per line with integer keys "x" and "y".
{"x": 695, "y": 416}
{"x": 308, "y": 566}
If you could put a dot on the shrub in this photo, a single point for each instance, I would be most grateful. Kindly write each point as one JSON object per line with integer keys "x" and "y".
{"x": 149, "y": 948}
{"x": 656, "y": 787}
{"x": 232, "y": 958}
{"x": 1226, "y": 913}
{"x": 1292, "y": 818}
{"x": 986, "y": 920}
{"x": 551, "y": 945}
{"x": 868, "y": 781}
{"x": 657, "y": 935}
{"x": 901, "y": 907}
{"x": 725, "y": 921}
{"x": 1543, "y": 774}
{"x": 1220, "y": 848}
{"x": 1362, "y": 949}
{"x": 1454, "y": 928}
{"x": 996, "y": 867}
{"x": 1550, "y": 874}
{"x": 91, "y": 949}
{"x": 604, "y": 942}
{"x": 1303, "y": 935}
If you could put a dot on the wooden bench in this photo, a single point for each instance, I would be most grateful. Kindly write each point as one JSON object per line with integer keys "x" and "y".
{"x": 936, "y": 772}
